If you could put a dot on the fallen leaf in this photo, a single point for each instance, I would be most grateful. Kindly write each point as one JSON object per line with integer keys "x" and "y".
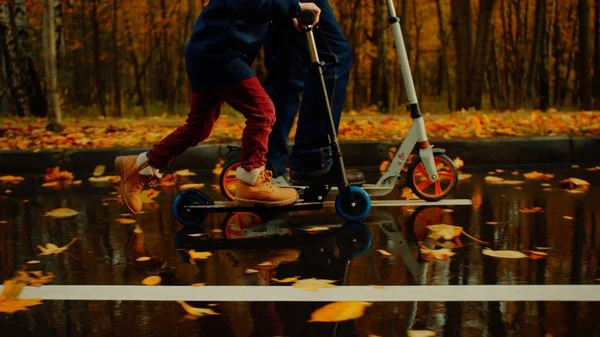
{"x": 11, "y": 179}
{"x": 339, "y": 311}
{"x": 194, "y": 255}
{"x": 266, "y": 264}
{"x": 458, "y": 163}
{"x": 515, "y": 173}
{"x": 34, "y": 262}
{"x": 54, "y": 249}
{"x": 250, "y": 271}
{"x": 286, "y": 280}
{"x": 99, "y": 170}
{"x": 54, "y": 174}
{"x": 212, "y": 304}
{"x": 149, "y": 195}
{"x": 151, "y": 280}
{"x": 506, "y": 254}
{"x": 574, "y": 184}
{"x": 491, "y": 223}
{"x": 143, "y": 258}
{"x": 546, "y": 185}
{"x": 420, "y": 333}
{"x": 538, "y": 175}
{"x": 377, "y": 286}
{"x": 35, "y": 278}
{"x": 7, "y": 191}
{"x": 499, "y": 181}
{"x": 126, "y": 221}
{"x": 11, "y": 289}
{"x": 448, "y": 210}
{"x": 408, "y": 194}
{"x": 198, "y": 312}
{"x": 384, "y": 253}
{"x": 50, "y": 184}
{"x": 531, "y": 210}
{"x": 3, "y": 222}
{"x": 442, "y": 254}
{"x": 191, "y": 186}
{"x": 61, "y": 213}
{"x": 184, "y": 173}
{"x": 217, "y": 231}
{"x": 464, "y": 176}
{"x": 313, "y": 284}
{"x": 196, "y": 235}
{"x": 568, "y": 217}
{"x": 105, "y": 179}
{"x": 196, "y": 285}
{"x": 316, "y": 229}
{"x": 574, "y": 166}
{"x": 538, "y": 253}
{"x": 442, "y": 231}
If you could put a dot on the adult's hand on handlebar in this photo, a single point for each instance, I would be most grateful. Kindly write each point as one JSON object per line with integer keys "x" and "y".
{"x": 307, "y": 6}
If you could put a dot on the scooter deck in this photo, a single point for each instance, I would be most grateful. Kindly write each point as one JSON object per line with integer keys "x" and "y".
{"x": 229, "y": 206}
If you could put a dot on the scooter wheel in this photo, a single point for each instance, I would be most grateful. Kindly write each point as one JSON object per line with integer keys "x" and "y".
{"x": 228, "y": 178}
{"x": 344, "y": 208}
{"x": 422, "y": 187}
{"x": 354, "y": 239}
{"x": 189, "y": 216}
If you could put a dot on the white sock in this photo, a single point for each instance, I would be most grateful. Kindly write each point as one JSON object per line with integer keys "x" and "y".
{"x": 249, "y": 177}
{"x": 142, "y": 159}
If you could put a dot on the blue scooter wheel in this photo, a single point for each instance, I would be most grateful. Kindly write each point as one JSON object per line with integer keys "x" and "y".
{"x": 354, "y": 239}
{"x": 188, "y": 216}
{"x": 361, "y": 209}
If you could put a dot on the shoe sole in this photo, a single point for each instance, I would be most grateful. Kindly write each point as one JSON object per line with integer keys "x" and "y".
{"x": 252, "y": 203}
{"x": 121, "y": 172}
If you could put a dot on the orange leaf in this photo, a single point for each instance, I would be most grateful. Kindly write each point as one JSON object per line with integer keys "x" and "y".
{"x": 151, "y": 280}
{"x": 339, "y": 311}
{"x": 126, "y": 221}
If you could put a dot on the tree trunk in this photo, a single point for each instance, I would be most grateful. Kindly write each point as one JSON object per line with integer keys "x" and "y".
{"x": 584, "y": 69}
{"x": 116, "y": 76}
{"x": 570, "y": 63}
{"x": 544, "y": 80}
{"x": 596, "y": 81}
{"x": 49, "y": 41}
{"x": 461, "y": 25}
{"x": 475, "y": 85}
{"x": 354, "y": 39}
{"x": 445, "y": 78}
{"x": 17, "y": 87}
{"x": 379, "y": 75}
{"x": 498, "y": 95}
{"x": 100, "y": 91}
{"x": 4, "y": 97}
{"x": 536, "y": 45}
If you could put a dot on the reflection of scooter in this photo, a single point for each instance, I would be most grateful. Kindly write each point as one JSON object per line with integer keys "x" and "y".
{"x": 429, "y": 169}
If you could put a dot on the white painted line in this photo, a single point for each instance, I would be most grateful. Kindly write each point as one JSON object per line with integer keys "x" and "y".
{"x": 475, "y": 293}
{"x": 399, "y": 203}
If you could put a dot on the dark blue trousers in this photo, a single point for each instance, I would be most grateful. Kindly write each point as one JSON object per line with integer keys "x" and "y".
{"x": 290, "y": 76}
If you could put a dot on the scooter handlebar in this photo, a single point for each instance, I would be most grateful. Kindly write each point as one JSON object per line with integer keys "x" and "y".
{"x": 307, "y": 17}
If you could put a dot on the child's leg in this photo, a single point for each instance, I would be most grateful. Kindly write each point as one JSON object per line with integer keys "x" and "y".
{"x": 255, "y": 186}
{"x": 137, "y": 171}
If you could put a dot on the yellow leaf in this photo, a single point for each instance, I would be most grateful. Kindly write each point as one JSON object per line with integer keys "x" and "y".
{"x": 420, "y": 333}
{"x": 99, "y": 170}
{"x": 443, "y": 254}
{"x": 464, "y": 176}
{"x": 10, "y": 307}
{"x": 505, "y": 254}
{"x": 538, "y": 175}
{"x": 491, "y": 223}
{"x": 250, "y": 271}
{"x": 50, "y": 184}
{"x": 196, "y": 235}
{"x": 8, "y": 191}
{"x": 191, "y": 186}
{"x": 126, "y": 221}
{"x": 448, "y": 210}
{"x": 105, "y": 179}
{"x": 184, "y": 173}
{"x": 286, "y": 280}
{"x": 143, "y": 258}
{"x": 316, "y": 229}
{"x": 54, "y": 249}
{"x": 195, "y": 285}
{"x": 198, "y": 312}
{"x": 266, "y": 264}
{"x": 151, "y": 280}
{"x": 217, "y": 231}
{"x": 34, "y": 262}
{"x": 313, "y": 284}
{"x": 458, "y": 163}
{"x": 442, "y": 231}
{"x": 11, "y": 179}
{"x": 194, "y": 255}
{"x": 568, "y": 217}
{"x": 384, "y": 253}
{"x": 574, "y": 183}
{"x": 339, "y": 311}
{"x": 12, "y": 289}
{"x": 61, "y": 213}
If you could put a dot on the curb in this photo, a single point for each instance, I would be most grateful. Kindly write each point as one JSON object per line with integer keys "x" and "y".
{"x": 366, "y": 155}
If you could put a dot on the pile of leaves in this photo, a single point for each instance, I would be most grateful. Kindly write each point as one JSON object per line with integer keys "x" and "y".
{"x": 25, "y": 134}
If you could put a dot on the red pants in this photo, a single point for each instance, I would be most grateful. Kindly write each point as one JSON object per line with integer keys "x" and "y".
{"x": 248, "y": 97}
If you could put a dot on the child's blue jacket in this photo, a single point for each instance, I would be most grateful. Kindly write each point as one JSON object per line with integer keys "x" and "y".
{"x": 227, "y": 36}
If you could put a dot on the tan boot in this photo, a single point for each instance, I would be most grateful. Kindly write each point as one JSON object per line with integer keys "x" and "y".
{"x": 256, "y": 188}
{"x": 132, "y": 182}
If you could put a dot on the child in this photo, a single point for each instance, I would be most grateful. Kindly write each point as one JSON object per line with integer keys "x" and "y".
{"x": 225, "y": 41}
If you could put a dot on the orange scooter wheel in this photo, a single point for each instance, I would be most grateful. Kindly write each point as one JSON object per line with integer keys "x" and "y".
{"x": 423, "y": 187}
